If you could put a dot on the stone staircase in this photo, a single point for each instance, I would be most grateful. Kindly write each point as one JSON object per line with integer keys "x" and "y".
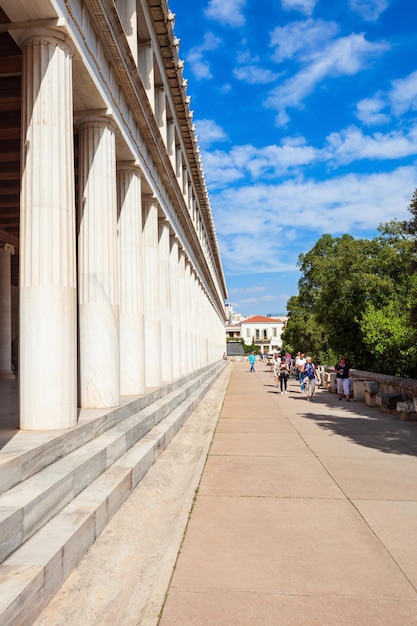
{"x": 59, "y": 490}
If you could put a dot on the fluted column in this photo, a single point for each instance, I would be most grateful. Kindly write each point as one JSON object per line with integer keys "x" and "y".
{"x": 187, "y": 316}
{"x": 165, "y": 301}
{"x": 175, "y": 308}
{"x": 97, "y": 265}
{"x": 182, "y": 311}
{"x": 153, "y": 371}
{"x": 48, "y": 322}
{"x": 132, "y": 340}
{"x": 194, "y": 321}
{"x": 6, "y": 250}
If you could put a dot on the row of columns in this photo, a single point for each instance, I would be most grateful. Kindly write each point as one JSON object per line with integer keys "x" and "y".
{"x": 131, "y": 291}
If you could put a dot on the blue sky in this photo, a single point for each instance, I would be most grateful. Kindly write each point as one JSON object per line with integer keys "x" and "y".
{"x": 306, "y": 115}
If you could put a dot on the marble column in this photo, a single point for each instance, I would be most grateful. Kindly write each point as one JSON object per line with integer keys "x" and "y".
{"x": 165, "y": 301}
{"x": 182, "y": 311}
{"x": 175, "y": 308}
{"x": 178, "y": 166}
{"x": 171, "y": 141}
{"x": 48, "y": 320}
{"x": 128, "y": 16}
{"x": 194, "y": 321}
{"x": 147, "y": 70}
{"x": 161, "y": 112}
{"x": 187, "y": 316}
{"x": 131, "y": 314}
{"x": 99, "y": 377}
{"x": 153, "y": 356}
{"x": 6, "y": 250}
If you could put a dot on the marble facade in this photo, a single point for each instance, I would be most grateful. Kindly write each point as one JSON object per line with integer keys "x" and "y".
{"x": 107, "y": 217}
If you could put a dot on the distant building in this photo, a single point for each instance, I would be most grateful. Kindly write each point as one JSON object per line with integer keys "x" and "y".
{"x": 231, "y": 316}
{"x": 233, "y": 331}
{"x": 264, "y": 332}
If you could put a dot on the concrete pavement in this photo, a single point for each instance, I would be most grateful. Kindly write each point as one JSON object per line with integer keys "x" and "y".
{"x": 306, "y": 513}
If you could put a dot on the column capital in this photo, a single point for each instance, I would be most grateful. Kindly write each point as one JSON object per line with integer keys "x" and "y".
{"x": 149, "y": 199}
{"x": 7, "y": 247}
{"x": 100, "y": 117}
{"x": 129, "y": 166}
{"x": 34, "y": 33}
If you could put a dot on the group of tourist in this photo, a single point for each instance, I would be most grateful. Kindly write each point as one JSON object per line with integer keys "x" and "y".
{"x": 306, "y": 373}
{"x": 281, "y": 367}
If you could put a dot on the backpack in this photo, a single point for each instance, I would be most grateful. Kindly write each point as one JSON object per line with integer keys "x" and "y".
{"x": 309, "y": 370}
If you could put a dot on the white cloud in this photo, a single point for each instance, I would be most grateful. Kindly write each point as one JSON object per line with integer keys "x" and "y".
{"x": 304, "y": 6}
{"x": 305, "y": 37}
{"x": 345, "y": 56}
{"x": 351, "y": 145}
{"x": 369, "y": 9}
{"x": 252, "y": 221}
{"x": 255, "y": 75}
{"x": 370, "y": 111}
{"x": 403, "y": 95}
{"x": 222, "y": 168}
{"x": 195, "y": 58}
{"x": 228, "y": 12}
{"x": 398, "y": 100}
{"x": 247, "y": 162}
{"x": 209, "y": 132}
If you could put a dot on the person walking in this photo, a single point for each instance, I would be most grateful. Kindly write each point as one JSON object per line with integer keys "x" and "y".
{"x": 284, "y": 373}
{"x": 299, "y": 364}
{"x": 309, "y": 376}
{"x": 252, "y": 361}
{"x": 342, "y": 370}
{"x": 275, "y": 361}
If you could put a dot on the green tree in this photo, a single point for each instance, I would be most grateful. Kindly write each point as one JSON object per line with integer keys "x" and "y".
{"x": 410, "y": 227}
{"x": 389, "y": 338}
{"x": 347, "y": 287}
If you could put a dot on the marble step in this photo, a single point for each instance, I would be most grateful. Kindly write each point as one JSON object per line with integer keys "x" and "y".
{"x": 34, "y": 572}
{"x": 26, "y": 507}
{"x": 28, "y": 452}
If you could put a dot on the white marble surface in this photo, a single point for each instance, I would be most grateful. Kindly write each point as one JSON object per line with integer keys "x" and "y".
{"x": 132, "y": 339}
{"x": 153, "y": 367}
{"x": 47, "y": 359}
{"x": 99, "y": 372}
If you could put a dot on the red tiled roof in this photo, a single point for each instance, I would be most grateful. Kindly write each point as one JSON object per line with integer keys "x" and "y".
{"x": 258, "y": 319}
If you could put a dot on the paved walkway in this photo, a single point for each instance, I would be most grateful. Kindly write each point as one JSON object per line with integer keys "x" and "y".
{"x": 306, "y": 514}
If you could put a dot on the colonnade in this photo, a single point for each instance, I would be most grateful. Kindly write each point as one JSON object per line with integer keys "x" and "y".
{"x": 111, "y": 301}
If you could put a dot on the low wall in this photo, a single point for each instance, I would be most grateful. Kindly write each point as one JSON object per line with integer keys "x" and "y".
{"x": 376, "y": 389}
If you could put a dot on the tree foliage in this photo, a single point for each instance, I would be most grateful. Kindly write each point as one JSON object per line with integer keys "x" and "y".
{"x": 357, "y": 297}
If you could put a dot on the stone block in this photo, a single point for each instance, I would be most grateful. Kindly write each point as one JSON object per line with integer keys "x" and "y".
{"x": 358, "y": 385}
{"x": 11, "y": 530}
{"x": 390, "y": 400}
{"x": 404, "y": 416}
{"x": 371, "y": 386}
{"x": 331, "y": 382}
{"x": 370, "y": 398}
{"x": 405, "y": 407}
